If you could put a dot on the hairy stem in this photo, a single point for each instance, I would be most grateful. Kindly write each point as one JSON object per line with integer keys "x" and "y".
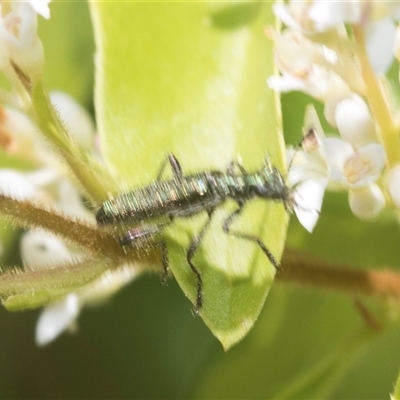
{"x": 28, "y": 215}
{"x": 93, "y": 177}
{"x": 305, "y": 270}
{"x": 89, "y": 237}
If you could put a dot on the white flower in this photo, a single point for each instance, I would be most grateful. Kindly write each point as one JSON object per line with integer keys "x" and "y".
{"x": 19, "y": 33}
{"x": 308, "y": 174}
{"x": 339, "y": 165}
{"x": 309, "y": 171}
{"x": 322, "y": 72}
{"x": 20, "y": 137}
{"x": 61, "y": 316}
{"x": 357, "y": 170}
{"x": 20, "y": 45}
{"x": 320, "y": 19}
{"x": 351, "y": 168}
{"x": 319, "y": 83}
{"x": 367, "y": 202}
{"x": 350, "y": 114}
{"x": 327, "y": 14}
{"x": 41, "y": 7}
{"x": 16, "y": 184}
{"x": 70, "y": 202}
{"x": 308, "y": 198}
{"x": 356, "y": 161}
{"x": 324, "y": 15}
{"x": 42, "y": 250}
{"x": 57, "y": 318}
{"x": 381, "y": 39}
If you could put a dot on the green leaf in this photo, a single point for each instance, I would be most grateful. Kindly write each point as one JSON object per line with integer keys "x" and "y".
{"x": 301, "y": 347}
{"x": 396, "y": 393}
{"x": 189, "y": 78}
{"x": 30, "y": 289}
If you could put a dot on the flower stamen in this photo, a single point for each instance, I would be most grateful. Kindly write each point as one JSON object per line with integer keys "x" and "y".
{"x": 358, "y": 167}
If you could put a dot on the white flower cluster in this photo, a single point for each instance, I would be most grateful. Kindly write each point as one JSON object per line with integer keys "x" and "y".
{"x": 20, "y": 47}
{"x": 324, "y": 52}
{"x": 47, "y": 182}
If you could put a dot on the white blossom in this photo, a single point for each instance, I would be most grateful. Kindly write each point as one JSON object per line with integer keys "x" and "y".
{"x": 48, "y": 183}
{"x": 18, "y": 34}
{"x": 20, "y": 137}
{"x": 367, "y": 202}
{"x": 41, "y": 7}
{"x": 381, "y": 40}
{"x": 308, "y": 198}
{"x": 339, "y": 165}
{"x": 62, "y": 316}
{"x": 316, "y": 55}
{"x": 324, "y": 21}
{"x": 309, "y": 172}
{"x": 352, "y": 117}
{"x": 16, "y": 185}
{"x": 41, "y": 249}
{"x": 57, "y": 318}
{"x": 313, "y": 68}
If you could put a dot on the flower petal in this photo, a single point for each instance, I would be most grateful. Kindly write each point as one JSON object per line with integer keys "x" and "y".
{"x": 308, "y": 197}
{"x": 380, "y": 45}
{"x": 367, "y": 202}
{"x": 283, "y": 13}
{"x": 56, "y": 318}
{"x": 70, "y": 201}
{"x": 286, "y": 83}
{"x": 41, "y": 7}
{"x": 354, "y": 122}
{"x": 337, "y": 153}
{"x": 375, "y": 154}
{"x": 328, "y": 14}
{"x": 311, "y": 121}
{"x": 16, "y": 185}
{"x": 41, "y": 249}
{"x": 108, "y": 284}
{"x": 24, "y": 45}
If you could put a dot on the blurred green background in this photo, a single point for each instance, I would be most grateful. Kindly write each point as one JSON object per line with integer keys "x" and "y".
{"x": 145, "y": 344}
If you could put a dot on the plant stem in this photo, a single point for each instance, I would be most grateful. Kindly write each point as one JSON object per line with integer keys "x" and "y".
{"x": 307, "y": 270}
{"x": 97, "y": 241}
{"x": 92, "y": 176}
{"x": 378, "y": 101}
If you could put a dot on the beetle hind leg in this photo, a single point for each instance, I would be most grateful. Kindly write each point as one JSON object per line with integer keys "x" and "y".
{"x": 191, "y": 252}
{"x": 227, "y": 229}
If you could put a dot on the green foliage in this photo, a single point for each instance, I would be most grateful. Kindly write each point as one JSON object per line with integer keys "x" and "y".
{"x": 189, "y": 78}
{"x": 48, "y": 286}
{"x": 203, "y": 107}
